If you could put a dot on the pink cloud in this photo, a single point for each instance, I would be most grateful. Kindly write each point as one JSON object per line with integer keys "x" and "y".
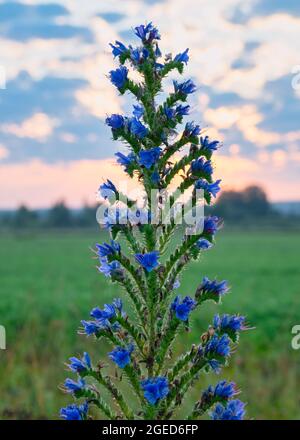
{"x": 4, "y": 153}
{"x": 39, "y": 184}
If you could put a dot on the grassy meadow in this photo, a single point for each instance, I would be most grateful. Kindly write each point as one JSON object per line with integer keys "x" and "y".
{"x": 49, "y": 283}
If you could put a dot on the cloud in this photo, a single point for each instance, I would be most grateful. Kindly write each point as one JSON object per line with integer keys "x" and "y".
{"x": 247, "y": 119}
{"x": 99, "y": 102}
{"x": 39, "y": 126}
{"x": 41, "y": 58}
{"x": 276, "y": 173}
{"x": 69, "y": 138}
{"x": 56, "y": 98}
{"x": 273, "y": 59}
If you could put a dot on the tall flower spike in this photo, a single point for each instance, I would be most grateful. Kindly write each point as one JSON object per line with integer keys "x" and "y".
{"x": 145, "y": 258}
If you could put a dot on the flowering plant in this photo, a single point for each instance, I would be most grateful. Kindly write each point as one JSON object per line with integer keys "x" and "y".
{"x": 143, "y": 346}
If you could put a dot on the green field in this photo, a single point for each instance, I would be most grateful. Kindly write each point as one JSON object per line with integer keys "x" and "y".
{"x": 49, "y": 283}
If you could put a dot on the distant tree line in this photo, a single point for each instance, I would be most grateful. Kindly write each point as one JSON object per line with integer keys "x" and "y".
{"x": 250, "y": 203}
{"x": 235, "y": 207}
{"x": 58, "y": 216}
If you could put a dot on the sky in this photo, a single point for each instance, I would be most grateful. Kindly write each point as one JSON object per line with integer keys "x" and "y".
{"x": 55, "y": 94}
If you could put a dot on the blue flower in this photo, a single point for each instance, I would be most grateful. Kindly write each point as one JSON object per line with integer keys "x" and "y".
{"x": 103, "y": 317}
{"x": 214, "y": 287}
{"x": 202, "y": 166}
{"x": 121, "y": 356}
{"x": 118, "y": 77}
{"x": 91, "y": 327}
{"x": 118, "y": 49}
{"x": 211, "y": 225}
{"x": 106, "y": 249}
{"x": 191, "y": 130}
{"x": 204, "y": 244}
{"x": 148, "y": 158}
{"x": 182, "y": 110}
{"x": 225, "y": 390}
{"x": 71, "y": 386}
{"x": 149, "y": 261}
{"x": 108, "y": 312}
{"x": 228, "y": 323}
{"x": 215, "y": 365}
{"x": 179, "y": 111}
{"x": 208, "y": 145}
{"x": 137, "y": 128}
{"x": 234, "y": 410}
{"x": 185, "y": 88}
{"x": 182, "y": 57}
{"x": 74, "y": 412}
{"x": 155, "y": 389}
{"x": 108, "y": 268}
{"x": 115, "y": 121}
{"x": 138, "y": 111}
{"x": 183, "y": 309}
{"x": 125, "y": 161}
{"x": 79, "y": 365}
{"x": 139, "y": 55}
{"x": 218, "y": 346}
{"x": 211, "y": 188}
{"x": 147, "y": 33}
{"x": 107, "y": 189}
{"x": 169, "y": 112}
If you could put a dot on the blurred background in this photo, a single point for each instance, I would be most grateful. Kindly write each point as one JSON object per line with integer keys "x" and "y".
{"x": 55, "y": 150}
